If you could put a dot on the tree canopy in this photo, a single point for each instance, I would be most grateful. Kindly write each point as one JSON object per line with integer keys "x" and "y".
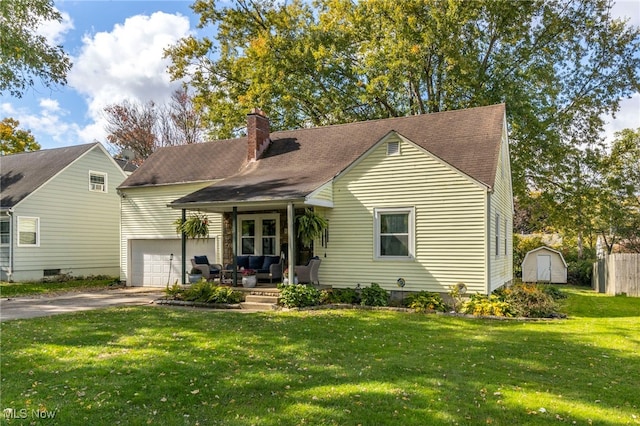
{"x": 559, "y": 66}
{"x": 14, "y": 140}
{"x": 25, "y": 54}
{"x": 145, "y": 127}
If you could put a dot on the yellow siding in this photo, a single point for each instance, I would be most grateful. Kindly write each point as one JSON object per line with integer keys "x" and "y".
{"x": 145, "y": 215}
{"x": 501, "y": 201}
{"x": 324, "y": 194}
{"x": 450, "y": 223}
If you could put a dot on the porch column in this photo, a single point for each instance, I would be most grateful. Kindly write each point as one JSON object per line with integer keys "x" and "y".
{"x": 184, "y": 249}
{"x": 234, "y": 245}
{"x": 291, "y": 229}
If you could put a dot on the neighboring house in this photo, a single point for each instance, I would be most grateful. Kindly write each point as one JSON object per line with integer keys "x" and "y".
{"x": 59, "y": 213}
{"x": 426, "y": 198}
{"x": 544, "y": 264}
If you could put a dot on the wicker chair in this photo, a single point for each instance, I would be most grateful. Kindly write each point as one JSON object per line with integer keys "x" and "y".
{"x": 309, "y": 273}
{"x": 209, "y": 270}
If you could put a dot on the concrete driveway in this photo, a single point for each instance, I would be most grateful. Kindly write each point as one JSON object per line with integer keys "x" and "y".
{"x": 31, "y": 307}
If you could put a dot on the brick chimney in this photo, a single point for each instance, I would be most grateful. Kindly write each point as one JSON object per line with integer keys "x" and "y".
{"x": 257, "y": 134}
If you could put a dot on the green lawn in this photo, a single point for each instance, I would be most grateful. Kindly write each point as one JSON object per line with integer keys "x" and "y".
{"x": 175, "y": 366}
{"x": 35, "y": 288}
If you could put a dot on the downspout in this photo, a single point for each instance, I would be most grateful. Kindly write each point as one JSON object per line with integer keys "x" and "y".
{"x": 489, "y": 239}
{"x": 184, "y": 249}
{"x": 11, "y": 228}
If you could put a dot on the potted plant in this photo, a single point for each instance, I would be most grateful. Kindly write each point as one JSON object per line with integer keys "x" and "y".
{"x": 311, "y": 226}
{"x": 249, "y": 278}
{"x": 195, "y": 226}
{"x": 195, "y": 275}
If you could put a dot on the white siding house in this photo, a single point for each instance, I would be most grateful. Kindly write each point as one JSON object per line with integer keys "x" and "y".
{"x": 60, "y": 213}
{"x": 424, "y": 198}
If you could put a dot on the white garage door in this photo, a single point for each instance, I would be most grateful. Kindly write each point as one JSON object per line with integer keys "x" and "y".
{"x": 151, "y": 263}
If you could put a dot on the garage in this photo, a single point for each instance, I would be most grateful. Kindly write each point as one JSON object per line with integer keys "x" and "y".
{"x": 152, "y": 264}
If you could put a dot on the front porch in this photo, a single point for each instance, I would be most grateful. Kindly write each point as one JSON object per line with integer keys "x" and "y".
{"x": 258, "y": 230}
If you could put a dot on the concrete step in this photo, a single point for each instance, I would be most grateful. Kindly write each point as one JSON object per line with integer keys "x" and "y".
{"x": 261, "y": 298}
{"x": 252, "y": 306}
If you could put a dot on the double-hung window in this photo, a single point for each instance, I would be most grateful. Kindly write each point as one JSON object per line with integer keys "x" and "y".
{"x": 28, "y": 231}
{"x": 97, "y": 182}
{"x": 394, "y": 233}
{"x": 5, "y": 228}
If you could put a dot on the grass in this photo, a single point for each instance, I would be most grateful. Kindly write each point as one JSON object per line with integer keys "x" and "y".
{"x": 38, "y": 288}
{"x": 169, "y": 366}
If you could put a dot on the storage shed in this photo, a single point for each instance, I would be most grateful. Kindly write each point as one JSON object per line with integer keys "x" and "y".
{"x": 544, "y": 265}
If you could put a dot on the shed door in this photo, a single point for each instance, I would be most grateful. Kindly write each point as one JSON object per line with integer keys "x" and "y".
{"x": 544, "y": 267}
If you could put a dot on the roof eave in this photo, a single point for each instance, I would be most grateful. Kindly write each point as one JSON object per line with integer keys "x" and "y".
{"x": 242, "y": 205}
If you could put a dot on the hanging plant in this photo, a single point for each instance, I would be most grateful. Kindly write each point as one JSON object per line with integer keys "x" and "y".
{"x": 311, "y": 226}
{"x": 195, "y": 226}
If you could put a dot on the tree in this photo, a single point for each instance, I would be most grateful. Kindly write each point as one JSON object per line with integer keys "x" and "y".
{"x": 27, "y": 55}
{"x": 559, "y": 66}
{"x": 618, "y": 203}
{"x": 14, "y": 140}
{"x": 143, "y": 128}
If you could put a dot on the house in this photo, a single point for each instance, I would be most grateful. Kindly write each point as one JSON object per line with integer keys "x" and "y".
{"x": 59, "y": 213}
{"x": 544, "y": 264}
{"x": 425, "y": 198}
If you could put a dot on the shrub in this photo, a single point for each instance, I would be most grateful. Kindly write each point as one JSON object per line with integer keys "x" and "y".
{"x": 494, "y": 305}
{"x": 341, "y": 295}
{"x": 199, "y": 292}
{"x": 580, "y": 271}
{"x": 374, "y": 296}
{"x": 174, "y": 292}
{"x": 225, "y": 295}
{"x": 426, "y": 301}
{"x": 554, "y": 292}
{"x": 299, "y": 296}
{"x": 530, "y": 300}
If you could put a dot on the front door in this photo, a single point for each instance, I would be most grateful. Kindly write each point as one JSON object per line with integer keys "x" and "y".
{"x": 259, "y": 234}
{"x": 544, "y": 267}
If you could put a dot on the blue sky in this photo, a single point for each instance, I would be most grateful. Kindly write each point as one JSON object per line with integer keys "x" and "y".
{"x": 116, "y": 47}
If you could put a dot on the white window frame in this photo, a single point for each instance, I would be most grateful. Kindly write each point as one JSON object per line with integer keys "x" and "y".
{"x": 377, "y": 213}
{"x": 29, "y": 218}
{"x": 91, "y": 184}
{"x": 8, "y": 234}
{"x": 258, "y": 218}
{"x": 506, "y": 236}
{"x": 393, "y": 152}
{"x": 497, "y": 232}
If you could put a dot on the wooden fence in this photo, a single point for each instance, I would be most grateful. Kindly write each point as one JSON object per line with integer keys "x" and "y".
{"x": 617, "y": 274}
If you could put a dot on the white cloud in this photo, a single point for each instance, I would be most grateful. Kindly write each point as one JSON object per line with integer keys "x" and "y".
{"x": 126, "y": 63}
{"x": 627, "y": 118}
{"x": 46, "y": 121}
{"x": 627, "y": 9}
{"x": 55, "y": 31}
{"x": 49, "y": 104}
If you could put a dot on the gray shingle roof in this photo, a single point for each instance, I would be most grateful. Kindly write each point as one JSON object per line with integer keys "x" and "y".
{"x": 299, "y": 161}
{"x": 21, "y": 174}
